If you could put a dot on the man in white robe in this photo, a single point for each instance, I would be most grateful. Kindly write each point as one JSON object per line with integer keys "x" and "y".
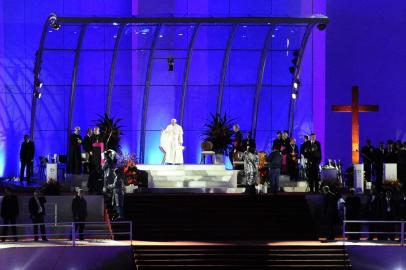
{"x": 171, "y": 143}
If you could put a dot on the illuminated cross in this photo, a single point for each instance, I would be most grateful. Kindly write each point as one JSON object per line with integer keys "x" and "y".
{"x": 355, "y": 108}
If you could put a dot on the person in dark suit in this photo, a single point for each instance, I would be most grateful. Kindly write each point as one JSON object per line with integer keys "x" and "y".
{"x": 36, "y": 205}
{"x": 330, "y": 211}
{"x": 402, "y": 165}
{"x": 368, "y": 156}
{"x": 26, "y": 158}
{"x": 292, "y": 161}
{"x": 314, "y": 159}
{"x": 9, "y": 213}
{"x": 75, "y": 155}
{"x": 380, "y": 159}
{"x": 373, "y": 212}
{"x": 388, "y": 214}
{"x": 79, "y": 212}
{"x": 353, "y": 207}
{"x": 87, "y": 148}
{"x": 277, "y": 143}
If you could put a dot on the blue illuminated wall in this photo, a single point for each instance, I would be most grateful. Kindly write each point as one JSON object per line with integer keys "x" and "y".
{"x": 366, "y": 48}
{"x": 20, "y": 28}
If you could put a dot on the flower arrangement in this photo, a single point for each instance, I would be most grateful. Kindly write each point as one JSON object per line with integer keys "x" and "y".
{"x": 129, "y": 165}
{"x": 393, "y": 186}
{"x": 262, "y": 169}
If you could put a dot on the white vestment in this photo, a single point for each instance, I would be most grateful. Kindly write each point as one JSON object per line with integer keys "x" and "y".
{"x": 171, "y": 144}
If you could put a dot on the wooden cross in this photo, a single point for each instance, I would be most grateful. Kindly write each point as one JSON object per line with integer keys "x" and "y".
{"x": 355, "y": 108}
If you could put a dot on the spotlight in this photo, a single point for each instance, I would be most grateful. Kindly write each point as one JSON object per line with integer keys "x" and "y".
{"x": 37, "y": 94}
{"x": 294, "y": 95}
{"x": 53, "y": 22}
{"x": 296, "y": 85}
{"x": 321, "y": 26}
{"x": 38, "y": 84}
{"x": 171, "y": 63}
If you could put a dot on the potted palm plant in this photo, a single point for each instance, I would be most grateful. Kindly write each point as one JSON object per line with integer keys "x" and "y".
{"x": 111, "y": 130}
{"x": 218, "y": 131}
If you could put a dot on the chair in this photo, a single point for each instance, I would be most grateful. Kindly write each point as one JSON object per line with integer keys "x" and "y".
{"x": 207, "y": 147}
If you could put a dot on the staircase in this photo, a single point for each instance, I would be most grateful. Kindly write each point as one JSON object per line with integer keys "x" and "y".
{"x": 219, "y": 217}
{"x": 241, "y": 257}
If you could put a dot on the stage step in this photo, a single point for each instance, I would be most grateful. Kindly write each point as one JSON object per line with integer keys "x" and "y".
{"x": 187, "y": 176}
{"x": 241, "y": 257}
{"x": 219, "y": 217}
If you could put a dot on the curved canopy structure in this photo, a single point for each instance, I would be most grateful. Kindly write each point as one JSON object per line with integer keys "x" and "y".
{"x": 246, "y": 67}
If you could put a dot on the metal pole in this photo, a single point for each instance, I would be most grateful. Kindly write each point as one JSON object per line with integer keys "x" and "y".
{"x": 146, "y": 93}
{"x": 73, "y": 234}
{"x": 131, "y": 233}
{"x": 226, "y": 61}
{"x": 186, "y": 73}
{"x": 260, "y": 77}
{"x": 402, "y": 233}
{"x": 74, "y": 80}
{"x": 113, "y": 68}
{"x": 344, "y": 229}
{"x": 292, "y": 104}
{"x": 56, "y": 214}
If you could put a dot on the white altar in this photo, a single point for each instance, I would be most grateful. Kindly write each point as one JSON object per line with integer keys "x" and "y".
{"x": 390, "y": 172}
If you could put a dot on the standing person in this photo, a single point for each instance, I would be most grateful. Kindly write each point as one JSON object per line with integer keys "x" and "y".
{"x": 285, "y": 143}
{"x": 87, "y": 147}
{"x": 373, "y": 212}
{"x": 275, "y": 164}
{"x": 250, "y": 168}
{"x": 26, "y": 158}
{"x": 174, "y": 147}
{"x": 388, "y": 214}
{"x": 117, "y": 188}
{"x": 79, "y": 212}
{"x": 236, "y": 142}
{"x": 330, "y": 212}
{"x": 380, "y": 159}
{"x": 277, "y": 143}
{"x": 292, "y": 160}
{"x": 75, "y": 155}
{"x": 368, "y": 156}
{"x": 314, "y": 159}
{"x": 36, "y": 205}
{"x": 304, "y": 150}
{"x": 353, "y": 206}
{"x": 402, "y": 165}
{"x": 9, "y": 213}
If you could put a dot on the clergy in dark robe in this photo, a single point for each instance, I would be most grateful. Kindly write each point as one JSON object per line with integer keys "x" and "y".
{"x": 314, "y": 159}
{"x": 402, "y": 165}
{"x": 75, "y": 157}
{"x": 367, "y": 154}
{"x": 87, "y": 147}
{"x": 353, "y": 207}
{"x": 292, "y": 160}
{"x": 249, "y": 142}
{"x": 95, "y": 183}
{"x": 390, "y": 155}
{"x": 304, "y": 154}
{"x": 379, "y": 158}
{"x": 26, "y": 158}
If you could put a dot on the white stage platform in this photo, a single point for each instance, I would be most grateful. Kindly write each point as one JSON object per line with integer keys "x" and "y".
{"x": 191, "y": 176}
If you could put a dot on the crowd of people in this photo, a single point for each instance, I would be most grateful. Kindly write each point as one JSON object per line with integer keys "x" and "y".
{"x": 284, "y": 158}
{"x": 374, "y": 158}
{"x": 10, "y": 210}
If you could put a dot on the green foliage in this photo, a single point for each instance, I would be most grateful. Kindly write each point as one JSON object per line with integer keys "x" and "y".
{"x": 111, "y": 130}
{"x": 219, "y": 132}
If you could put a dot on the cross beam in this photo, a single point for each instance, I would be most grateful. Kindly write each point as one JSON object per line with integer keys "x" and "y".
{"x": 355, "y": 108}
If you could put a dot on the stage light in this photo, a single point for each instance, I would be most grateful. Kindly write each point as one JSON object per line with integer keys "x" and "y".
{"x": 171, "y": 63}
{"x": 296, "y": 85}
{"x": 37, "y": 94}
{"x": 53, "y": 22}
{"x": 294, "y": 95}
{"x": 321, "y": 26}
{"x": 38, "y": 84}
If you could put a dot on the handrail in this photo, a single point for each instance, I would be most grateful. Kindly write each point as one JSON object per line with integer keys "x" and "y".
{"x": 401, "y": 233}
{"x": 72, "y": 226}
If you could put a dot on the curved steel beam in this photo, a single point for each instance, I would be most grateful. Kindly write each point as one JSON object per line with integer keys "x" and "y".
{"x": 186, "y": 73}
{"x": 37, "y": 70}
{"x": 296, "y": 75}
{"x": 226, "y": 61}
{"x": 260, "y": 77}
{"x": 74, "y": 81}
{"x": 113, "y": 67}
{"x": 146, "y": 93}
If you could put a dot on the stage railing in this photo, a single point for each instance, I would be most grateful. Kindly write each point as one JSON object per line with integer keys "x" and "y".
{"x": 400, "y": 232}
{"x": 68, "y": 230}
